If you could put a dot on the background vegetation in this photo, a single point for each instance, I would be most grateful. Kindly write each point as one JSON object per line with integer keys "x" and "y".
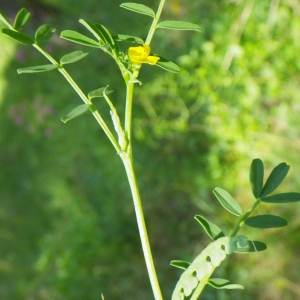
{"x": 68, "y": 229}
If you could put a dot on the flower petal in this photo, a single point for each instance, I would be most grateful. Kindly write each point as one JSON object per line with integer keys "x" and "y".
{"x": 139, "y": 53}
{"x": 152, "y": 60}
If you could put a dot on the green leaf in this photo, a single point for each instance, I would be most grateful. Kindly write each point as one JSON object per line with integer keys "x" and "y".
{"x": 77, "y": 111}
{"x": 94, "y": 30}
{"x": 167, "y": 65}
{"x": 266, "y": 221}
{"x": 4, "y": 19}
{"x": 227, "y": 201}
{"x": 275, "y": 179}
{"x": 79, "y": 38}
{"x": 180, "y": 264}
{"x": 18, "y": 37}
{"x": 99, "y": 93}
{"x": 139, "y": 8}
{"x": 127, "y": 38}
{"x": 178, "y": 25}
{"x": 256, "y": 177}
{"x": 44, "y": 33}
{"x": 107, "y": 37}
{"x": 220, "y": 283}
{"x": 72, "y": 57}
{"x": 211, "y": 229}
{"x": 252, "y": 246}
{"x": 22, "y": 19}
{"x": 282, "y": 198}
{"x": 37, "y": 69}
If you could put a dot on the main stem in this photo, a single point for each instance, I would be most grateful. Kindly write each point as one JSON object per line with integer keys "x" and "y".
{"x": 127, "y": 159}
{"x": 128, "y": 163}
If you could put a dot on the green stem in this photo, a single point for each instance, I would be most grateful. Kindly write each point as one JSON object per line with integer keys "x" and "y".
{"x": 128, "y": 163}
{"x": 154, "y": 23}
{"x": 82, "y": 96}
{"x": 242, "y": 219}
{"x": 128, "y": 109}
{"x": 201, "y": 286}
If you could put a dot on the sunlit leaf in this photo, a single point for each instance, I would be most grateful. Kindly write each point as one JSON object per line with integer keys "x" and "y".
{"x": 77, "y": 111}
{"x": 72, "y": 57}
{"x": 227, "y": 201}
{"x": 256, "y": 177}
{"x": 18, "y": 37}
{"x": 167, "y": 65}
{"x": 22, "y": 19}
{"x": 79, "y": 38}
{"x": 99, "y": 92}
{"x": 266, "y": 221}
{"x": 282, "y": 198}
{"x": 276, "y": 177}
{"x": 178, "y": 25}
{"x": 252, "y": 246}
{"x": 219, "y": 283}
{"x": 43, "y": 33}
{"x": 211, "y": 229}
{"x": 5, "y": 20}
{"x": 127, "y": 38}
{"x": 37, "y": 69}
{"x": 139, "y": 8}
{"x": 180, "y": 264}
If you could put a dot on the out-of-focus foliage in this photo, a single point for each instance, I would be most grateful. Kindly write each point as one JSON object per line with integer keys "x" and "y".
{"x": 68, "y": 229}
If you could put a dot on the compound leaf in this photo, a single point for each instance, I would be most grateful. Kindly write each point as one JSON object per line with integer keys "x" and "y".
{"x": 282, "y": 198}
{"x": 37, "y": 69}
{"x": 276, "y": 177}
{"x": 77, "y": 111}
{"x": 139, "y": 8}
{"x": 73, "y": 57}
{"x": 266, "y": 221}
{"x": 22, "y": 19}
{"x": 211, "y": 229}
{"x": 18, "y": 37}
{"x": 178, "y": 25}
{"x": 227, "y": 201}
{"x": 43, "y": 33}
{"x": 256, "y": 177}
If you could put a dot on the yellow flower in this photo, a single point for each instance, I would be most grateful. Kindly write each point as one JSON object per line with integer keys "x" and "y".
{"x": 140, "y": 55}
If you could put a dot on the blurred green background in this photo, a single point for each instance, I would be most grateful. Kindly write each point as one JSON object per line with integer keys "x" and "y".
{"x": 68, "y": 229}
